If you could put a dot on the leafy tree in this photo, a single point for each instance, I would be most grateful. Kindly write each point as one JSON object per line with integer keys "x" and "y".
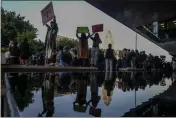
{"x": 15, "y": 27}
{"x": 64, "y": 41}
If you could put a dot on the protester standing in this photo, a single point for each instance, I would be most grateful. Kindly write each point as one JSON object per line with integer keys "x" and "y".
{"x": 124, "y": 58}
{"x": 24, "y": 52}
{"x": 83, "y": 48}
{"x": 109, "y": 56}
{"x": 15, "y": 53}
{"x": 95, "y": 49}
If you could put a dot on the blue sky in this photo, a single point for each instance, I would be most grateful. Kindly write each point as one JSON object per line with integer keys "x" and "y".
{"x": 71, "y": 14}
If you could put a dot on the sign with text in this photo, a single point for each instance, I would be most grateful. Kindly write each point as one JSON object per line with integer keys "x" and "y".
{"x": 82, "y": 30}
{"x": 47, "y": 13}
{"x": 97, "y": 28}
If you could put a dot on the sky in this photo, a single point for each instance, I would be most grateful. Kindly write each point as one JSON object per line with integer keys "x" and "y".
{"x": 72, "y": 14}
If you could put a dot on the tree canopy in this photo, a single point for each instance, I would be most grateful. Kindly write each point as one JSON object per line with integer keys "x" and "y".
{"x": 16, "y": 28}
{"x": 64, "y": 41}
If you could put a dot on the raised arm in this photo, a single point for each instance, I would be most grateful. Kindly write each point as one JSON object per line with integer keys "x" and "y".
{"x": 114, "y": 53}
{"x": 48, "y": 26}
{"x": 91, "y": 36}
{"x": 77, "y": 35}
{"x": 100, "y": 40}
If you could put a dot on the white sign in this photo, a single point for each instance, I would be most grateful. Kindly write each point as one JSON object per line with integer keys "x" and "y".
{"x": 47, "y": 13}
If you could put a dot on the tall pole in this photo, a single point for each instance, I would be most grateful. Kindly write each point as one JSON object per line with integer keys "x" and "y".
{"x": 136, "y": 42}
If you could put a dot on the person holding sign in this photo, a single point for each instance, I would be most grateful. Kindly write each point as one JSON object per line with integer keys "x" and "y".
{"x": 82, "y": 46}
{"x": 95, "y": 48}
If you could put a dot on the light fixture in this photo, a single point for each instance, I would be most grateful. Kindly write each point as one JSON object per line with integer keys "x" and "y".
{"x": 174, "y": 21}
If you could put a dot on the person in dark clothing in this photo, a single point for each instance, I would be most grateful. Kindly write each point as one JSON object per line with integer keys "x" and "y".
{"x": 15, "y": 53}
{"x": 95, "y": 49}
{"x": 109, "y": 57}
{"x": 24, "y": 51}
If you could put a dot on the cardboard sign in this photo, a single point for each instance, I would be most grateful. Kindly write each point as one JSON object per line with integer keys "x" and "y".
{"x": 47, "y": 13}
{"x": 82, "y": 30}
{"x": 97, "y": 28}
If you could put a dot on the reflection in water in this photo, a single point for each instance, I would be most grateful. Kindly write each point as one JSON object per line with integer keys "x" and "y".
{"x": 95, "y": 98}
{"x": 103, "y": 88}
{"x": 48, "y": 95}
{"x": 80, "y": 104}
{"x": 107, "y": 89}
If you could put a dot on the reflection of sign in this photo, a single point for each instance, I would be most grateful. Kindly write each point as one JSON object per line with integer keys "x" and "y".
{"x": 82, "y": 30}
{"x": 47, "y": 13}
{"x": 95, "y": 111}
{"x": 97, "y": 28}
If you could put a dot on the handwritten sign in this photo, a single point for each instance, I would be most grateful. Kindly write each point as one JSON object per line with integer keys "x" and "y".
{"x": 82, "y": 30}
{"x": 97, "y": 28}
{"x": 47, "y": 13}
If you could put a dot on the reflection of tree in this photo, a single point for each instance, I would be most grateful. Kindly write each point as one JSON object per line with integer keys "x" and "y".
{"x": 23, "y": 102}
{"x": 24, "y": 93}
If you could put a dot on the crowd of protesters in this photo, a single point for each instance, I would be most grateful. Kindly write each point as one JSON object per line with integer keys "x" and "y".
{"x": 83, "y": 56}
{"x": 135, "y": 59}
{"x": 21, "y": 54}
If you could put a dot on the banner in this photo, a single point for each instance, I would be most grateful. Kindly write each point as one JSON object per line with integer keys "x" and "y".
{"x": 47, "y": 13}
{"x": 82, "y": 30}
{"x": 97, "y": 28}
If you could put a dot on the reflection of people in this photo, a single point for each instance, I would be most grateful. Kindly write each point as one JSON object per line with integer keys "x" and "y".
{"x": 48, "y": 97}
{"x": 95, "y": 49}
{"x": 80, "y": 104}
{"x": 83, "y": 47}
{"x": 94, "y": 97}
{"x": 107, "y": 90}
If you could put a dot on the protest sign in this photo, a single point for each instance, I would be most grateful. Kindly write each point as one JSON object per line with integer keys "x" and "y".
{"x": 82, "y": 30}
{"x": 47, "y": 13}
{"x": 97, "y": 28}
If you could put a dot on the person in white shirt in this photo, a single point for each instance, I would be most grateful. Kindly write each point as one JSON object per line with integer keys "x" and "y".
{"x": 7, "y": 57}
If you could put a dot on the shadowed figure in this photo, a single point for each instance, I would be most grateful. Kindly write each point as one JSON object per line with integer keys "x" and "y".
{"x": 50, "y": 40}
{"x": 48, "y": 96}
{"x": 80, "y": 104}
{"x": 95, "y": 98}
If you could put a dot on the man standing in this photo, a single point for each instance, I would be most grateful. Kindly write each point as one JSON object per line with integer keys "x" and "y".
{"x": 25, "y": 52}
{"x": 109, "y": 56}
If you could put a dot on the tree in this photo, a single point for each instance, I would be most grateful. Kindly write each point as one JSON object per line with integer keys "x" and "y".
{"x": 14, "y": 27}
{"x": 64, "y": 41}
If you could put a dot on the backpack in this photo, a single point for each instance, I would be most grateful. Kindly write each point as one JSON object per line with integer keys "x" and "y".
{"x": 66, "y": 57}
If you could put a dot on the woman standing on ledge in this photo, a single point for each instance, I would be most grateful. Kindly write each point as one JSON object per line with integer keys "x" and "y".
{"x": 83, "y": 48}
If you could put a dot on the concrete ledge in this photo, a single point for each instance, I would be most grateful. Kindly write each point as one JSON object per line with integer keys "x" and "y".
{"x": 30, "y": 68}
